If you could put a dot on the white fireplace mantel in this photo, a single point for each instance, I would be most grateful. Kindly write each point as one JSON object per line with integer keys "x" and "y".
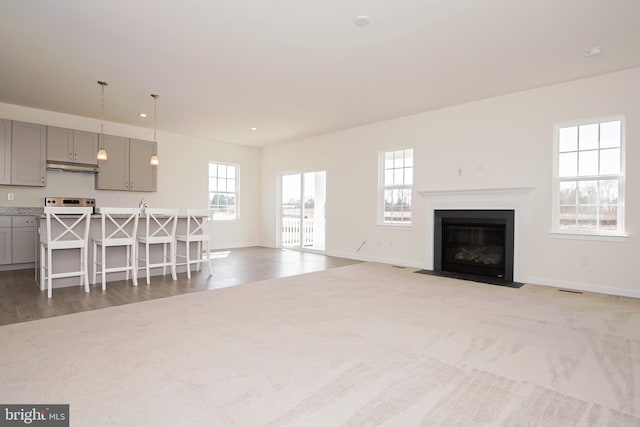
{"x": 483, "y": 198}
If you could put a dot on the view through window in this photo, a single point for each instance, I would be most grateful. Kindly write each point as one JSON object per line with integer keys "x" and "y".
{"x": 396, "y": 176}
{"x": 589, "y": 177}
{"x": 223, "y": 190}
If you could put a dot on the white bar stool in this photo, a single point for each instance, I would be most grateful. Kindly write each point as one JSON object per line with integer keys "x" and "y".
{"x": 160, "y": 228}
{"x": 198, "y": 228}
{"x": 124, "y": 222}
{"x": 67, "y": 228}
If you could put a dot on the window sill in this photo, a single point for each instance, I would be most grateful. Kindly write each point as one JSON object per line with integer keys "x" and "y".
{"x": 395, "y": 226}
{"x": 227, "y": 220}
{"x": 588, "y": 236}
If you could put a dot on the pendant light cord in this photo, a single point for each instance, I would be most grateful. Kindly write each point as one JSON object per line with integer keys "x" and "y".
{"x": 155, "y": 115}
{"x": 154, "y": 157}
{"x": 102, "y": 154}
{"x": 102, "y": 85}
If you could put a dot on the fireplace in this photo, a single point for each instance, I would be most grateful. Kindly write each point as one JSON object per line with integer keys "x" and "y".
{"x": 475, "y": 244}
{"x": 515, "y": 199}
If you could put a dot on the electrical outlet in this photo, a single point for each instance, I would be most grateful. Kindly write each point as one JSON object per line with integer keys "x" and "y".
{"x": 584, "y": 260}
{"x": 10, "y": 196}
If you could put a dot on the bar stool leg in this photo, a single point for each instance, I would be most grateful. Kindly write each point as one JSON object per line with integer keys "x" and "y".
{"x": 85, "y": 267}
{"x": 134, "y": 264}
{"x": 81, "y": 269}
{"x": 187, "y": 255}
{"x": 104, "y": 268}
{"x": 164, "y": 259}
{"x": 208, "y": 249}
{"x": 128, "y": 263}
{"x": 146, "y": 252}
{"x": 49, "y": 279}
{"x": 199, "y": 255}
{"x": 172, "y": 248}
{"x": 42, "y": 267}
{"x": 95, "y": 264}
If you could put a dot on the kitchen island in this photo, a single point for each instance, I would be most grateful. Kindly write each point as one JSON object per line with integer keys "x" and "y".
{"x": 68, "y": 259}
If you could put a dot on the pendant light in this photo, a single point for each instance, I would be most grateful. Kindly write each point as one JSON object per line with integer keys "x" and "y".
{"x": 102, "y": 154}
{"x": 154, "y": 158}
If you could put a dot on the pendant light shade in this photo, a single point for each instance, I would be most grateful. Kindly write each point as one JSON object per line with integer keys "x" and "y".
{"x": 102, "y": 154}
{"x": 154, "y": 158}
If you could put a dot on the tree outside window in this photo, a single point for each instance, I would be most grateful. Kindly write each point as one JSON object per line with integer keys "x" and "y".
{"x": 589, "y": 178}
{"x": 223, "y": 190}
{"x": 396, "y": 186}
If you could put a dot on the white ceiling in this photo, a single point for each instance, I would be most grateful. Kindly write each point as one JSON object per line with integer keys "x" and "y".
{"x": 297, "y": 68}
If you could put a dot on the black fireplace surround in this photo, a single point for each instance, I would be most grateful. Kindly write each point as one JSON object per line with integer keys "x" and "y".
{"x": 475, "y": 244}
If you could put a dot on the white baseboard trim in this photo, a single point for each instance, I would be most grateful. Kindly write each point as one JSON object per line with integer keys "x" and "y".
{"x": 581, "y": 286}
{"x": 542, "y": 281}
{"x": 25, "y": 266}
{"x": 391, "y": 261}
{"x": 267, "y": 245}
{"x": 234, "y": 246}
{"x": 358, "y": 257}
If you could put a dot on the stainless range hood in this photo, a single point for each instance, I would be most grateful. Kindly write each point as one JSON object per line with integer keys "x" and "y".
{"x": 72, "y": 167}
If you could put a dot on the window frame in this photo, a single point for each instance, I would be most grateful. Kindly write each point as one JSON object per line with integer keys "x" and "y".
{"x": 381, "y": 190}
{"x": 584, "y": 234}
{"x": 236, "y": 193}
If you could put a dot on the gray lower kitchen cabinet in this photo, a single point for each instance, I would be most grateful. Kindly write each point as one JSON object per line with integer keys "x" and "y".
{"x": 17, "y": 239}
{"x": 28, "y": 154}
{"x": 5, "y": 151}
{"x": 71, "y": 146}
{"x": 127, "y": 167}
{"x": 23, "y": 239}
{"x": 5, "y": 240}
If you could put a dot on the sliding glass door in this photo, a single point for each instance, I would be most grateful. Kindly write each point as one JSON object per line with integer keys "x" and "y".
{"x": 302, "y": 210}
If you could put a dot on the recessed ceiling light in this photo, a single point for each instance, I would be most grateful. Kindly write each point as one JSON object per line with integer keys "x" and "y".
{"x": 143, "y": 115}
{"x": 594, "y": 51}
{"x": 362, "y": 20}
{"x": 254, "y": 128}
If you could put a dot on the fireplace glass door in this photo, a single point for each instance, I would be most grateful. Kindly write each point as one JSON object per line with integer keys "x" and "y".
{"x": 473, "y": 248}
{"x": 474, "y": 242}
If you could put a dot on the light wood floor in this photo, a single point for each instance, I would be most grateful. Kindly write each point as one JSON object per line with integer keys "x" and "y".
{"x": 21, "y": 300}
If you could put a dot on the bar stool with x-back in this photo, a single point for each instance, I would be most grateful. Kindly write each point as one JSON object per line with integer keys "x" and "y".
{"x": 160, "y": 228}
{"x": 66, "y": 228}
{"x": 122, "y": 226}
{"x": 198, "y": 222}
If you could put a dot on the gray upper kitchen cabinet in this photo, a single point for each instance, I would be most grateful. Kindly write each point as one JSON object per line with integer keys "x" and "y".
{"x": 127, "y": 167}
{"x": 142, "y": 175}
{"x": 28, "y": 154}
{"x": 70, "y": 145}
{"x": 114, "y": 172}
{"x": 5, "y": 151}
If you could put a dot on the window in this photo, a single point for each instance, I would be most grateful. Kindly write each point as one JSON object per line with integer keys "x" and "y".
{"x": 223, "y": 190}
{"x": 589, "y": 178}
{"x": 396, "y": 182}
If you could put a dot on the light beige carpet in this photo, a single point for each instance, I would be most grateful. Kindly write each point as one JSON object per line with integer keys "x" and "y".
{"x": 361, "y": 345}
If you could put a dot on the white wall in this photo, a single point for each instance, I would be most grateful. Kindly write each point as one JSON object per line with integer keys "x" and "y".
{"x": 182, "y": 175}
{"x": 505, "y": 141}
